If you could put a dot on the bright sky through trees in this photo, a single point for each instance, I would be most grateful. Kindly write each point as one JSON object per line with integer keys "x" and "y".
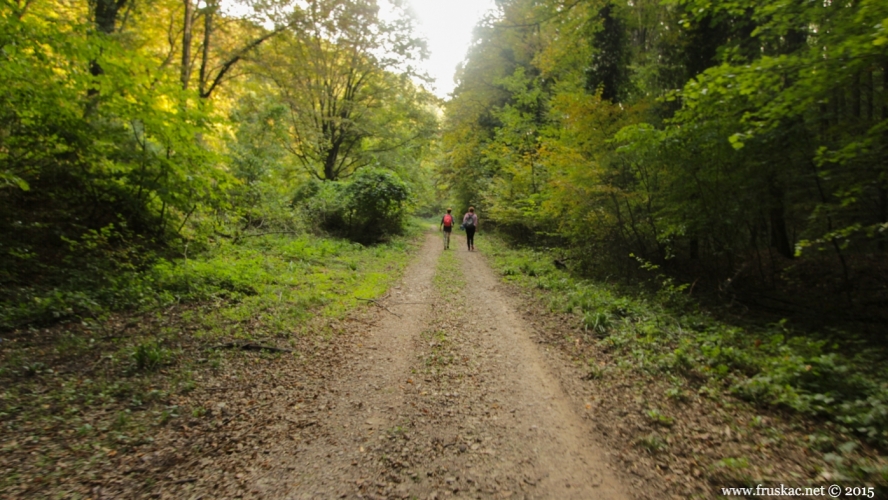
{"x": 447, "y": 25}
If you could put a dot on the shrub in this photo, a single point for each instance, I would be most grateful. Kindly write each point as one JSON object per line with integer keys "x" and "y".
{"x": 375, "y": 199}
{"x": 322, "y": 206}
{"x": 149, "y": 356}
{"x": 366, "y": 208}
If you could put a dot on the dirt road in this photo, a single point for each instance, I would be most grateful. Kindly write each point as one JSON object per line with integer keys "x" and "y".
{"x": 446, "y": 395}
{"x": 453, "y": 385}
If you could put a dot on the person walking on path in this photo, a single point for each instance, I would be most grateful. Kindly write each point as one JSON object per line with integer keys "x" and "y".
{"x": 447, "y": 226}
{"x": 470, "y": 222}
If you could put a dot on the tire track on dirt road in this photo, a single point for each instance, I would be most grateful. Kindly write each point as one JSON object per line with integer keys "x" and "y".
{"x": 326, "y": 457}
{"x": 538, "y": 420}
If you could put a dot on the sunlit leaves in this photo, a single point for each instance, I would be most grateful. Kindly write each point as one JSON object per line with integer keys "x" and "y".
{"x": 336, "y": 72}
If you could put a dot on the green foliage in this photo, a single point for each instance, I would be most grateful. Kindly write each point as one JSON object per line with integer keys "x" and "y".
{"x": 653, "y": 443}
{"x": 595, "y": 372}
{"x": 96, "y": 275}
{"x": 609, "y": 68}
{"x": 658, "y": 418}
{"x": 375, "y": 205}
{"x": 732, "y": 470}
{"x": 109, "y": 160}
{"x": 677, "y": 394}
{"x": 259, "y": 162}
{"x": 115, "y": 160}
{"x": 367, "y": 208}
{"x": 300, "y": 274}
{"x": 342, "y": 72}
{"x": 150, "y": 356}
{"x": 771, "y": 366}
{"x": 280, "y": 280}
{"x": 598, "y": 322}
{"x": 704, "y": 138}
{"x": 322, "y": 205}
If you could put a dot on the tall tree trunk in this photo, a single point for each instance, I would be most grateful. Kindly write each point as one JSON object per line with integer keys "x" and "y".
{"x": 208, "y": 37}
{"x": 883, "y": 215}
{"x": 209, "y": 82}
{"x": 855, "y": 98}
{"x": 870, "y": 93}
{"x": 777, "y": 215}
{"x": 641, "y": 244}
{"x": 620, "y": 223}
{"x": 836, "y": 107}
{"x": 883, "y": 182}
{"x": 186, "y": 43}
{"x": 105, "y": 20}
{"x": 829, "y": 227}
{"x": 105, "y": 14}
{"x": 330, "y": 160}
{"x": 842, "y": 105}
{"x": 885, "y": 90}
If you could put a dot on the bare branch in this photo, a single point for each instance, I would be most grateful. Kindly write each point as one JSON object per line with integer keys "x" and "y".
{"x": 227, "y": 65}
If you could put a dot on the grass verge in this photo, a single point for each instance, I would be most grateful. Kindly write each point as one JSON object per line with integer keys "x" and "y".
{"x": 668, "y": 339}
{"x": 77, "y": 396}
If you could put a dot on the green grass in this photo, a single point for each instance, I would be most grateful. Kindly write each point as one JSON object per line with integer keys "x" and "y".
{"x": 449, "y": 279}
{"x": 269, "y": 285}
{"x": 97, "y": 279}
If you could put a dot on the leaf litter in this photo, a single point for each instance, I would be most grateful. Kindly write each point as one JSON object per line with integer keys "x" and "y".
{"x": 433, "y": 402}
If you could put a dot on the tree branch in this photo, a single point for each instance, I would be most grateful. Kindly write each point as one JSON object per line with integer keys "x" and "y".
{"x": 227, "y": 65}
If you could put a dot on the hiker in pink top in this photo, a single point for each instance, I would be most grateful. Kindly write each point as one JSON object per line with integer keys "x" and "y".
{"x": 470, "y": 223}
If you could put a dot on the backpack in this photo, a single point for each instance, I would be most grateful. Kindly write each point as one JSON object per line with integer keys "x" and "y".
{"x": 470, "y": 221}
{"x": 448, "y": 220}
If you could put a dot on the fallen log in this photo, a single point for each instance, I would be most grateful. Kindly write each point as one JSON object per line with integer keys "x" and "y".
{"x": 247, "y": 346}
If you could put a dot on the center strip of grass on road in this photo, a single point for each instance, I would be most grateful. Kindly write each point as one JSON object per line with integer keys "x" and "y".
{"x": 449, "y": 279}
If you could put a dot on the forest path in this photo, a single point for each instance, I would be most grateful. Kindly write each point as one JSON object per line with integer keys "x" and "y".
{"x": 447, "y": 395}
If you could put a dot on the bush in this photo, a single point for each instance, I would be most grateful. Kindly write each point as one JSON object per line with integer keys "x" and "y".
{"x": 366, "y": 208}
{"x": 322, "y": 206}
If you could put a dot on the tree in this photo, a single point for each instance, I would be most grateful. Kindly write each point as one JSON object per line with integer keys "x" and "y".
{"x": 95, "y": 148}
{"x": 335, "y": 72}
{"x": 609, "y": 68}
{"x": 768, "y": 137}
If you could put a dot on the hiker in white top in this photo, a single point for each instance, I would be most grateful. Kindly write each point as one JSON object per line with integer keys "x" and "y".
{"x": 470, "y": 223}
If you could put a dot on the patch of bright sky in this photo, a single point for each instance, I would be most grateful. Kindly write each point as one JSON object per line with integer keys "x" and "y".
{"x": 447, "y": 26}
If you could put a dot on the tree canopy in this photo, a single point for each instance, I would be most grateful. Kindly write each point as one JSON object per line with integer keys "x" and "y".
{"x": 148, "y": 125}
{"x": 734, "y": 137}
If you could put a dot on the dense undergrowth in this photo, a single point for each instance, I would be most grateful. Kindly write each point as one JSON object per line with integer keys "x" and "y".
{"x": 666, "y": 334}
{"x": 256, "y": 287}
{"x": 244, "y": 270}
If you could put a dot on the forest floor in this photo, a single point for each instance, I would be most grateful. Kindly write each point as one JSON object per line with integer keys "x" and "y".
{"x": 452, "y": 385}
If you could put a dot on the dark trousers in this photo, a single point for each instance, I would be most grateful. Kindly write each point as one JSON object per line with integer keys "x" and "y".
{"x": 470, "y": 236}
